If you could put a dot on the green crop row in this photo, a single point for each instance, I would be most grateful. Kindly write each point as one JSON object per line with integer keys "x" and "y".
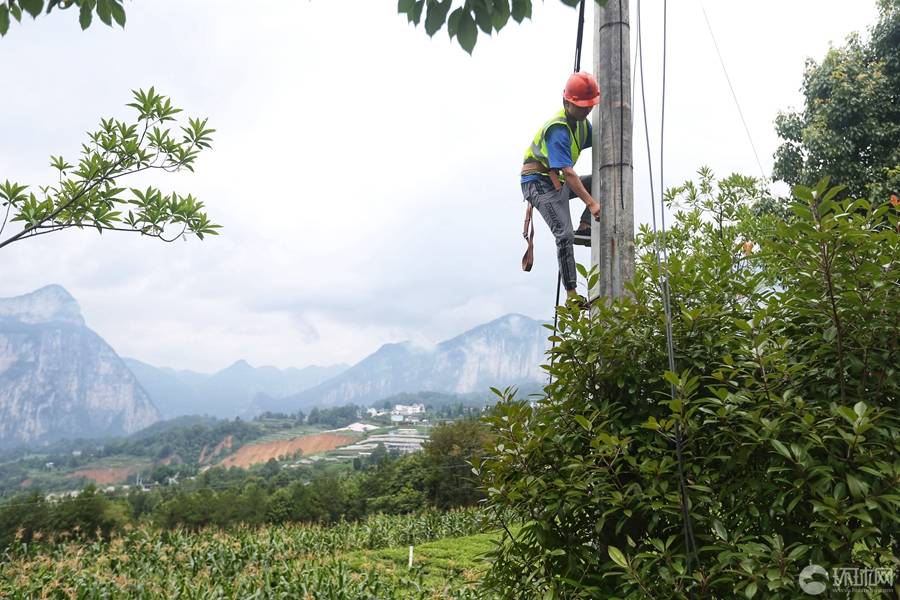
{"x": 293, "y": 561}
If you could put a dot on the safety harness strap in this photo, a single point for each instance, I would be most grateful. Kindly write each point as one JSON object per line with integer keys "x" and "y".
{"x": 528, "y": 234}
{"x": 528, "y": 228}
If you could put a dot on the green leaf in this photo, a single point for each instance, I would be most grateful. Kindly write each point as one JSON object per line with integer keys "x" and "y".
{"x": 720, "y": 529}
{"x": 672, "y": 378}
{"x": 415, "y": 14}
{"x": 453, "y": 22}
{"x": 797, "y": 552}
{"x": 32, "y": 7}
{"x": 521, "y": 9}
{"x": 103, "y": 11}
{"x": 583, "y": 422}
{"x": 437, "y": 15}
{"x": 404, "y": 6}
{"x": 501, "y": 14}
{"x": 848, "y": 414}
{"x": 467, "y": 34}
{"x": 85, "y": 16}
{"x": 483, "y": 15}
{"x": 860, "y": 408}
{"x": 4, "y": 19}
{"x": 750, "y": 590}
{"x": 118, "y": 12}
{"x": 858, "y": 487}
{"x": 616, "y": 555}
{"x": 782, "y": 449}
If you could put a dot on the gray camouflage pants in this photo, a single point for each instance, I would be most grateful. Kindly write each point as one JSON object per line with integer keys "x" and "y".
{"x": 554, "y": 207}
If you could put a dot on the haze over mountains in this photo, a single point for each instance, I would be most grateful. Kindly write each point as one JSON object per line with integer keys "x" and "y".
{"x": 59, "y": 379}
{"x": 506, "y": 351}
{"x": 237, "y": 390}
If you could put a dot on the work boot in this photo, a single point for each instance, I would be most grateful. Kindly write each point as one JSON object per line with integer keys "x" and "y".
{"x": 583, "y": 235}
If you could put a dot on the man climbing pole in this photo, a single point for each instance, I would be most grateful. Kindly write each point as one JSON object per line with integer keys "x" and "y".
{"x": 549, "y": 180}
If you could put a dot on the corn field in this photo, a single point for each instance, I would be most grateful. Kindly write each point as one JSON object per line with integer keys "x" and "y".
{"x": 292, "y": 561}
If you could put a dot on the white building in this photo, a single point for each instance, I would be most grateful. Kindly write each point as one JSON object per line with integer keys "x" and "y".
{"x": 401, "y": 440}
{"x": 408, "y": 409}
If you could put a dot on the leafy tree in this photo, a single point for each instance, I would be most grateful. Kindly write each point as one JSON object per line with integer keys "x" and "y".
{"x": 271, "y": 468}
{"x": 468, "y": 16}
{"x": 87, "y": 195}
{"x": 22, "y": 517}
{"x": 849, "y": 127}
{"x": 773, "y": 444}
{"x": 338, "y": 416}
{"x": 451, "y": 451}
{"x": 107, "y": 10}
{"x": 89, "y": 515}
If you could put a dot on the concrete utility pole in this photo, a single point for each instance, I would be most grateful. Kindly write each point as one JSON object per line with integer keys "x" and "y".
{"x": 612, "y": 239}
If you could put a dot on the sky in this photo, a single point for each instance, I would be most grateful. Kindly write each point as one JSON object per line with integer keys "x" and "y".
{"x": 365, "y": 175}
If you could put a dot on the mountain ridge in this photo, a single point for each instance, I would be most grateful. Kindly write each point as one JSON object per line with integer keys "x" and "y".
{"x": 505, "y": 351}
{"x": 240, "y": 389}
{"x": 59, "y": 378}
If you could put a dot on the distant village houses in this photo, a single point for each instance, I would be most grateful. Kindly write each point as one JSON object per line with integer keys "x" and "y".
{"x": 400, "y": 413}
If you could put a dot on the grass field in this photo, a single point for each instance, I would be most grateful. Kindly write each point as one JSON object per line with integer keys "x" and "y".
{"x": 455, "y": 561}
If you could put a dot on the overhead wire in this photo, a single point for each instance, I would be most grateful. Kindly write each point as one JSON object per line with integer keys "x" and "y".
{"x": 731, "y": 87}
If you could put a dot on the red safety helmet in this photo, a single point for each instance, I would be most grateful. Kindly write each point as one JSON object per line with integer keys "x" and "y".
{"x": 582, "y": 90}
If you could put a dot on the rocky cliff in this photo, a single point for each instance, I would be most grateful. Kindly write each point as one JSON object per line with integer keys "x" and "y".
{"x": 59, "y": 379}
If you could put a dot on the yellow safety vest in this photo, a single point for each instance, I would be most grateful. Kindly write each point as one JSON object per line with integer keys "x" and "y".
{"x": 578, "y": 139}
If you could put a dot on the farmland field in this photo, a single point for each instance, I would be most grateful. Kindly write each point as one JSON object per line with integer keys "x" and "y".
{"x": 365, "y": 560}
{"x": 256, "y": 452}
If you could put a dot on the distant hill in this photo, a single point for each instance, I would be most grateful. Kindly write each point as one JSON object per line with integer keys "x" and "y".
{"x": 237, "y": 390}
{"x": 506, "y": 351}
{"x": 58, "y": 378}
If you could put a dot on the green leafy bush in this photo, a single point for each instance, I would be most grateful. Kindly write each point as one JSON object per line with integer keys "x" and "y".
{"x": 784, "y": 411}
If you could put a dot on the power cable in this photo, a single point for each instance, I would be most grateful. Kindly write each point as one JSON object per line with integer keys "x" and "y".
{"x": 646, "y": 125}
{"x": 621, "y": 111}
{"x": 731, "y": 87}
{"x": 579, "y": 38}
{"x": 661, "y": 252}
{"x": 661, "y": 249}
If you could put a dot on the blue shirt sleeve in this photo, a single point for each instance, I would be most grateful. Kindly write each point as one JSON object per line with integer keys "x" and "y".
{"x": 559, "y": 146}
{"x": 559, "y": 153}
